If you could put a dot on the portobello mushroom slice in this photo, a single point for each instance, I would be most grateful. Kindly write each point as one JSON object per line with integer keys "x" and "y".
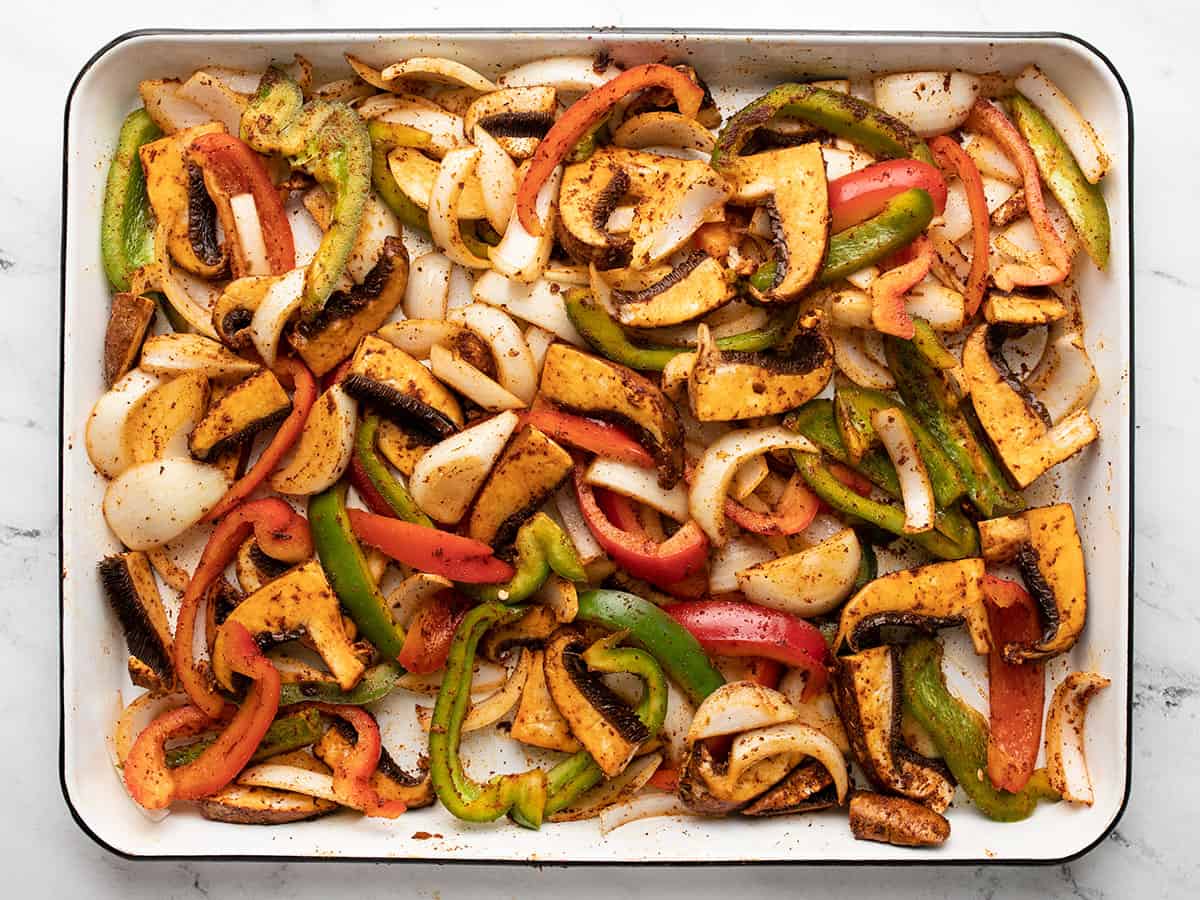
{"x": 808, "y": 788}
{"x": 254, "y": 567}
{"x": 128, "y": 322}
{"x": 402, "y": 446}
{"x": 927, "y": 598}
{"x": 1019, "y": 309}
{"x": 538, "y": 721}
{"x": 299, "y": 603}
{"x": 608, "y": 729}
{"x": 399, "y": 387}
{"x": 531, "y": 630}
{"x": 241, "y": 805}
{"x": 790, "y": 184}
{"x": 176, "y": 191}
{"x": 517, "y": 117}
{"x": 1045, "y": 544}
{"x": 529, "y": 471}
{"x": 725, "y": 384}
{"x": 589, "y": 193}
{"x": 234, "y": 310}
{"x": 133, "y": 594}
{"x": 586, "y": 384}
{"x": 706, "y": 788}
{"x": 696, "y": 286}
{"x": 1016, "y": 424}
{"x": 350, "y": 315}
{"x": 390, "y": 781}
{"x": 159, "y": 425}
{"x": 867, "y": 690}
{"x": 250, "y": 406}
{"x": 895, "y": 820}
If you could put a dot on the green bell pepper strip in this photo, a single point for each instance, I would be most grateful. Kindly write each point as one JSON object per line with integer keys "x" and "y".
{"x": 385, "y": 136}
{"x": 286, "y": 733}
{"x": 1082, "y": 201}
{"x": 127, "y": 221}
{"x": 853, "y": 407}
{"x": 377, "y": 682}
{"x": 542, "y": 547}
{"x": 931, "y": 399}
{"x": 868, "y": 565}
{"x": 961, "y": 736}
{"x": 390, "y": 488}
{"x": 963, "y": 543}
{"x": 344, "y": 563}
{"x": 606, "y": 336}
{"x": 523, "y": 795}
{"x": 840, "y": 114}
{"x": 331, "y": 143}
{"x": 930, "y": 346}
{"x": 677, "y": 651}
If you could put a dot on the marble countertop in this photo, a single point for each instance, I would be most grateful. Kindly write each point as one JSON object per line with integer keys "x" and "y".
{"x": 1151, "y": 852}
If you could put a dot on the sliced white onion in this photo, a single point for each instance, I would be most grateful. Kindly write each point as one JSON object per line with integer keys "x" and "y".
{"x": 564, "y": 73}
{"x": 306, "y": 231}
{"x": 378, "y": 224}
{"x": 841, "y": 161}
{"x": 249, "y": 234}
{"x": 753, "y": 747}
{"x": 808, "y": 583}
{"x": 150, "y": 503}
{"x": 540, "y": 302}
{"x": 343, "y": 90}
{"x": 676, "y": 722}
{"x": 820, "y": 712}
{"x": 852, "y": 359}
{"x": 519, "y": 254}
{"x": 721, "y": 460}
{"x": 514, "y": 363}
{"x": 428, "y": 286}
{"x": 169, "y": 111}
{"x": 381, "y": 104}
{"x": 216, "y": 98}
{"x": 461, "y": 287}
{"x": 278, "y": 305}
{"x": 1076, "y": 131}
{"x": 990, "y": 159}
{"x": 323, "y": 452}
{"x": 367, "y": 72}
{"x": 456, "y": 167}
{"x": 749, "y": 476}
{"x": 929, "y": 103}
{"x": 494, "y": 707}
{"x": 647, "y": 805}
{"x": 134, "y": 718}
{"x": 955, "y": 221}
{"x": 560, "y": 596}
{"x": 1066, "y": 759}
{"x": 414, "y": 592}
{"x": 737, "y": 707}
{"x": 1064, "y": 379}
{"x": 663, "y": 129}
{"x": 539, "y": 341}
{"x": 586, "y": 546}
{"x": 470, "y": 382}
{"x": 731, "y": 558}
{"x": 565, "y": 273}
{"x": 445, "y": 129}
{"x": 639, "y": 484}
{"x": 486, "y": 676}
{"x": 611, "y": 791}
{"x": 498, "y": 178}
{"x": 439, "y": 70}
{"x": 694, "y": 208}
{"x": 448, "y": 474}
{"x": 942, "y": 307}
{"x": 417, "y": 337}
{"x": 620, "y": 220}
{"x": 873, "y": 347}
{"x": 104, "y": 434}
{"x": 915, "y": 489}
{"x": 174, "y": 354}
{"x": 189, "y": 296}
{"x": 282, "y": 777}
{"x": 863, "y": 278}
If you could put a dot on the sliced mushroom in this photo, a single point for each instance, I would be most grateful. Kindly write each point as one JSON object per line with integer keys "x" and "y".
{"x": 389, "y": 780}
{"x": 867, "y": 690}
{"x": 128, "y": 322}
{"x": 587, "y": 384}
{"x": 695, "y": 287}
{"x": 258, "y": 403}
{"x": 538, "y": 721}
{"x": 1027, "y": 446}
{"x": 808, "y": 788}
{"x": 298, "y": 603}
{"x": 387, "y": 378}
{"x": 1045, "y": 544}
{"x": 242, "y": 805}
{"x": 526, "y": 476}
{"x": 725, "y": 384}
{"x": 234, "y": 310}
{"x": 930, "y": 597}
{"x": 254, "y": 567}
{"x": 133, "y": 594}
{"x": 606, "y": 727}
{"x": 1017, "y": 309}
{"x": 895, "y": 820}
{"x": 322, "y": 453}
{"x": 517, "y": 117}
{"x": 159, "y": 426}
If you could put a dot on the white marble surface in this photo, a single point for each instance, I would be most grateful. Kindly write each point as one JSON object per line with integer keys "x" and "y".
{"x": 1150, "y": 854}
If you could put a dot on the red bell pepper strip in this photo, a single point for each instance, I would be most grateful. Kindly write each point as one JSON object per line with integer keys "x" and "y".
{"x": 950, "y": 155}
{"x": 662, "y": 564}
{"x": 154, "y": 785}
{"x": 1016, "y": 693}
{"x": 857, "y": 196}
{"x": 230, "y": 168}
{"x": 733, "y": 628}
{"x": 586, "y": 112}
{"x": 427, "y": 640}
{"x": 627, "y": 517}
{"x": 281, "y": 532}
{"x": 665, "y": 780}
{"x": 367, "y": 492}
{"x": 594, "y": 436}
{"x": 860, "y": 484}
{"x": 303, "y": 399}
{"x": 352, "y": 773}
{"x": 795, "y": 511}
{"x": 430, "y": 549}
{"x": 987, "y": 117}
{"x": 888, "y": 312}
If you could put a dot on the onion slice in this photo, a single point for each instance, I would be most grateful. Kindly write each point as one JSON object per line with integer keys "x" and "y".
{"x": 639, "y": 484}
{"x": 585, "y": 542}
{"x": 664, "y": 129}
{"x": 564, "y": 73}
{"x": 412, "y": 593}
{"x": 928, "y": 102}
{"x": 470, "y": 382}
{"x": 737, "y": 707}
{"x": 279, "y": 304}
{"x": 751, "y": 748}
{"x": 428, "y": 286}
{"x": 1064, "y": 380}
{"x": 103, "y": 436}
{"x": 456, "y": 167}
{"x": 446, "y": 478}
{"x": 521, "y": 255}
{"x": 611, "y": 791}
{"x": 1076, "y": 131}
{"x": 730, "y": 559}
{"x": 150, "y": 503}
{"x": 808, "y": 583}
{"x": 486, "y": 676}
{"x": 492, "y": 708}
{"x": 851, "y": 357}
{"x": 540, "y": 302}
{"x": 439, "y": 70}
{"x": 915, "y": 488}
{"x": 514, "y": 362}
{"x": 249, "y": 234}
{"x": 498, "y": 179}
{"x": 322, "y": 453}
{"x": 1066, "y": 759}
{"x": 648, "y": 805}
{"x": 291, "y": 778}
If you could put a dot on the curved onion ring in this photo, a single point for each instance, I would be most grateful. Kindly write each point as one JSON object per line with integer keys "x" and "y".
{"x": 492, "y": 708}
{"x": 456, "y": 167}
{"x": 739, "y": 706}
{"x": 730, "y": 560}
{"x": 323, "y": 451}
{"x": 852, "y": 359}
{"x": 639, "y": 484}
{"x": 291, "y": 778}
{"x": 540, "y": 302}
{"x": 425, "y": 295}
{"x": 103, "y": 435}
{"x": 514, "y": 363}
{"x": 486, "y": 676}
{"x": 664, "y": 129}
{"x": 1077, "y": 133}
{"x": 279, "y": 304}
{"x": 412, "y": 593}
{"x": 915, "y": 488}
{"x": 150, "y": 503}
{"x": 1066, "y": 760}
{"x": 611, "y": 791}
{"x": 928, "y": 102}
{"x": 752, "y": 747}
{"x": 447, "y": 476}
{"x": 585, "y": 542}
{"x": 564, "y": 73}
{"x": 438, "y": 70}
{"x": 470, "y": 382}
{"x": 521, "y": 255}
{"x": 498, "y": 178}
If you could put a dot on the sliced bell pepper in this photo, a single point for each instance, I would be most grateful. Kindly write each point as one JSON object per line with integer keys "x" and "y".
{"x": 1016, "y": 693}
{"x": 860, "y": 484}
{"x": 857, "y": 196}
{"x": 840, "y": 114}
{"x": 430, "y": 549}
{"x": 685, "y": 552}
{"x": 330, "y": 142}
{"x": 987, "y": 117}
{"x": 352, "y": 773}
{"x": 427, "y": 639}
{"x": 127, "y": 221}
{"x": 383, "y": 492}
{"x": 593, "y": 435}
{"x": 344, "y": 563}
{"x": 1082, "y": 201}
{"x": 795, "y": 511}
{"x": 230, "y": 168}
{"x": 816, "y": 420}
{"x": 377, "y": 682}
{"x": 738, "y": 628}
{"x": 961, "y": 736}
{"x": 386, "y": 136}
{"x": 542, "y": 548}
{"x": 586, "y": 112}
{"x": 290, "y": 732}
{"x": 889, "y": 315}
{"x": 303, "y": 398}
{"x": 950, "y": 155}
{"x": 930, "y": 346}
{"x": 523, "y": 795}
{"x": 901, "y": 221}
{"x": 154, "y": 785}
{"x": 281, "y": 533}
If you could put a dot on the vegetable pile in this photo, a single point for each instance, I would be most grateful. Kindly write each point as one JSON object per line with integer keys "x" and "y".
{"x": 664, "y": 443}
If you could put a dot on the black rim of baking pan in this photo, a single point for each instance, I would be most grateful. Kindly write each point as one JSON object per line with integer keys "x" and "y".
{"x": 1032, "y": 36}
